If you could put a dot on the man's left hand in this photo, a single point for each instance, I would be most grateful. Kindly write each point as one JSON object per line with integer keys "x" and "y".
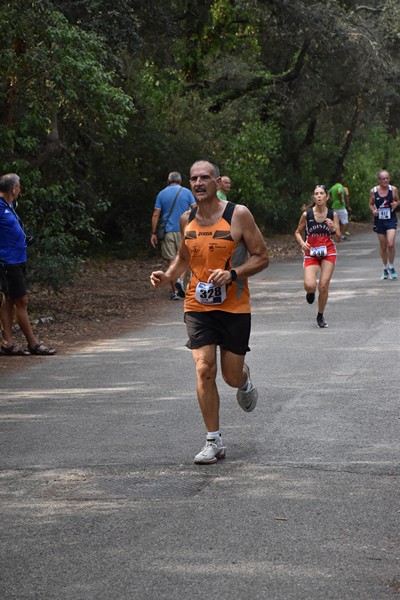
{"x": 219, "y": 277}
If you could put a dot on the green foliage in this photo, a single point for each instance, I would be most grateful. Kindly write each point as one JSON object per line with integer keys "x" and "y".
{"x": 248, "y": 89}
{"x": 233, "y": 26}
{"x": 54, "y": 271}
{"x": 98, "y": 103}
{"x": 249, "y": 159}
{"x": 54, "y": 258}
{"x": 58, "y": 106}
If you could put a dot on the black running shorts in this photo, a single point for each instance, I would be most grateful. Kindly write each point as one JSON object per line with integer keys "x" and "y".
{"x": 230, "y": 331}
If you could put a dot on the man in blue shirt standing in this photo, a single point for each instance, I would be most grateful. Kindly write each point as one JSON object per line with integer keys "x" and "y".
{"x": 13, "y": 258}
{"x": 170, "y": 204}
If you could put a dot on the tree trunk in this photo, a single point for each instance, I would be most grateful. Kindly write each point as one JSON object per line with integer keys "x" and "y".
{"x": 339, "y": 165}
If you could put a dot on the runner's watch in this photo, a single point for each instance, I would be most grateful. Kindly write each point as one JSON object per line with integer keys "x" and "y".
{"x": 233, "y": 274}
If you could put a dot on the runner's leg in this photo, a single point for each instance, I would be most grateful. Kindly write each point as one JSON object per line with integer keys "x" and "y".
{"x": 205, "y": 359}
{"x": 310, "y": 278}
{"x": 390, "y": 244}
{"x": 383, "y": 247}
{"x": 232, "y": 369}
{"x": 327, "y": 269}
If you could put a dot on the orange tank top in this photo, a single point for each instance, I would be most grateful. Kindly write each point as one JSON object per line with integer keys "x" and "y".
{"x": 212, "y": 247}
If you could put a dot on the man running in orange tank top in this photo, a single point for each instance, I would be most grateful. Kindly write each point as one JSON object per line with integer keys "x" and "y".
{"x": 222, "y": 246}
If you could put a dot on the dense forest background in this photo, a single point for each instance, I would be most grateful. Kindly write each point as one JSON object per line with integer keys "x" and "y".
{"x": 100, "y": 100}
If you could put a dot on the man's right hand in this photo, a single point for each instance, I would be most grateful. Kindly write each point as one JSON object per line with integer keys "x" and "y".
{"x": 158, "y": 279}
{"x": 154, "y": 240}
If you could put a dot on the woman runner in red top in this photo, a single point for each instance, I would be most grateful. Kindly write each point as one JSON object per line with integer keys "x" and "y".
{"x": 320, "y": 225}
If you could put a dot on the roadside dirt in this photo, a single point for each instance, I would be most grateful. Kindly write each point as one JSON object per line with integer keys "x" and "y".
{"x": 110, "y": 298}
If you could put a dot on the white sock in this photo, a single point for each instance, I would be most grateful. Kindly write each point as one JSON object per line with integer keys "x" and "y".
{"x": 214, "y": 434}
{"x": 247, "y": 386}
{"x": 390, "y": 266}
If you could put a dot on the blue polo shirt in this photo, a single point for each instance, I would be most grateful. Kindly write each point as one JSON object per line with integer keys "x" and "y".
{"x": 12, "y": 236}
{"x": 164, "y": 202}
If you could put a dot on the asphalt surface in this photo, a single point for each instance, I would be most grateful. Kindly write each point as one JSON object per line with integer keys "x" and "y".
{"x": 100, "y": 498}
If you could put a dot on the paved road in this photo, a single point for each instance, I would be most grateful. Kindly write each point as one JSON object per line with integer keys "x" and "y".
{"x": 100, "y": 499}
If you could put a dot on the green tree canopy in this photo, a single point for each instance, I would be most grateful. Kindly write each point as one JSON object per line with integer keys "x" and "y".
{"x": 57, "y": 103}
{"x": 98, "y": 103}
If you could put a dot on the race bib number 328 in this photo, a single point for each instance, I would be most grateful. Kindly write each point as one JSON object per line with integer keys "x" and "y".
{"x": 208, "y": 293}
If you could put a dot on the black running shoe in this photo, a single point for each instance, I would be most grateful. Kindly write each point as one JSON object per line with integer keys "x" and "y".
{"x": 321, "y": 322}
{"x": 310, "y": 297}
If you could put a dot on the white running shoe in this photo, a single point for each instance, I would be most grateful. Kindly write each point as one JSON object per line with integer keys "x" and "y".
{"x": 212, "y": 451}
{"x": 247, "y": 400}
{"x": 392, "y": 273}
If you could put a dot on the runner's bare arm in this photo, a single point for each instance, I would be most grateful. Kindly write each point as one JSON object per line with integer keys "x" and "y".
{"x": 334, "y": 226}
{"x": 336, "y": 222}
{"x": 372, "y": 203}
{"x": 396, "y": 200}
{"x": 299, "y": 233}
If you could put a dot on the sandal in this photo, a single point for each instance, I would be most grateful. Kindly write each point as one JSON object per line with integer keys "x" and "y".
{"x": 13, "y": 350}
{"x": 41, "y": 350}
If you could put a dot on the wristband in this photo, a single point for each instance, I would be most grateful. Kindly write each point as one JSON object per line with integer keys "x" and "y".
{"x": 154, "y": 233}
{"x": 233, "y": 274}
